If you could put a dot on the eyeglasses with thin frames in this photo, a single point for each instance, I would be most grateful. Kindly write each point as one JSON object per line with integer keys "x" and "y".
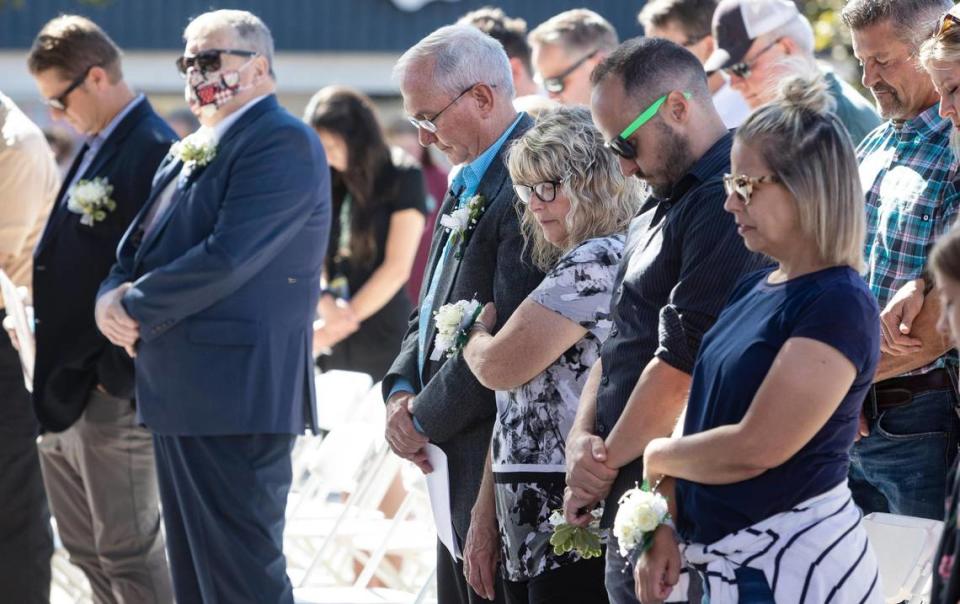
{"x": 743, "y": 69}
{"x": 557, "y": 83}
{"x": 545, "y": 191}
{"x": 743, "y": 185}
{"x": 59, "y": 102}
{"x": 621, "y": 145}
{"x": 430, "y": 124}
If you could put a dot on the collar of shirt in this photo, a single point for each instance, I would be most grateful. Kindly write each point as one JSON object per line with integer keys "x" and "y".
{"x": 473, "y": 172}
{"x": 221, "y": 128}
{"x": 929, "y": 122}
{"x": 96, "y": 141}
{"x": 716, "y": 157}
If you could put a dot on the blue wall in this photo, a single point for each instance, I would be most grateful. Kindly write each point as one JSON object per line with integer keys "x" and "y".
{"x": 297, "y": 25}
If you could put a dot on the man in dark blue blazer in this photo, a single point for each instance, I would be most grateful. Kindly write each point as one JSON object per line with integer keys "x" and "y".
{"x": 98, "y": 462}
{"x": 214, "y": 292}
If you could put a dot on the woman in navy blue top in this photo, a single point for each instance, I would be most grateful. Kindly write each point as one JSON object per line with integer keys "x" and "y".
{"x": 757, "y": 481}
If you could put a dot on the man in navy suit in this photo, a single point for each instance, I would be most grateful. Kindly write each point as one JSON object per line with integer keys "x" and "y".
{"x": 98, "y": 462}
{"x": 214, "y": 293}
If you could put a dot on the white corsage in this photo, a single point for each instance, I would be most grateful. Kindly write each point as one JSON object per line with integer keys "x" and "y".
{"x": 585, "y": 541}
{"x": 462, "y": 221}
{"x": 641, "y": 511}
{"x": 453, "y": 323}
{"x": 91, "y": 199}
{"x": 196, "y": 150}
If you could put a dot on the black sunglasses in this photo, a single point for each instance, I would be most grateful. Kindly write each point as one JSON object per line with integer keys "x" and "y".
{"x": 545, "y": 191}
{"x": 60, "y": 102}
{"x": 743, "y": 69}
{"x": 208, "y": 60}
{"x": 556, "y": 83}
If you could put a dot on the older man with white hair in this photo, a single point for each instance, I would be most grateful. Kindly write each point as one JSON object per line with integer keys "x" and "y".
{"x": 457, "y": 89}
{"x": 213, "y": 292}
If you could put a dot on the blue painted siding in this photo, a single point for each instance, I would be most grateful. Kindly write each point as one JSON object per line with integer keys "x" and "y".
{"x": 297, "y": 25}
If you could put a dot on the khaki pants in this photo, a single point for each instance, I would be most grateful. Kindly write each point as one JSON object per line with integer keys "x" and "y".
{"x": 101, "y": 481}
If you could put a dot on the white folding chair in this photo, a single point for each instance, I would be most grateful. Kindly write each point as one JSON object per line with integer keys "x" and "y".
{"x": 905, "y": 547}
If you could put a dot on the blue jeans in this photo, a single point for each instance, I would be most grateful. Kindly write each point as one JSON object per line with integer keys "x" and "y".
{"x": 901, "y": 468}
{"x": 621, "y": 588}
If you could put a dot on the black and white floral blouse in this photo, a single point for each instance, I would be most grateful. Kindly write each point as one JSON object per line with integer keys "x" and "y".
{"x": 534, "y": 419}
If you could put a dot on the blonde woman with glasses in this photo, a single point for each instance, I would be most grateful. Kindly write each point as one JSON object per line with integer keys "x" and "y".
{"x": 757, "y": 482}
{"x": 575, "y": 205}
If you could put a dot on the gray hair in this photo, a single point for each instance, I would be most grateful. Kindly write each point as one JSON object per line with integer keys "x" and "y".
{"x": 248, "y": 31}
{"x": 565, "y": 145}
{"x": 797, "y": 29}
{"x": 804, "y": 143}
{"x": 579, "y": 29}
{"x": 462, "y": 56}
{"x": 913, "y": 20}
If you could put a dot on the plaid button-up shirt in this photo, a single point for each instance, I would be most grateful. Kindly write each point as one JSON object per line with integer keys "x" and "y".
{"x": 909, "y": 175}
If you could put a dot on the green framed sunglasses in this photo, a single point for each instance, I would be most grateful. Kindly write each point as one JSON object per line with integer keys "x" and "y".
{"x": 624, "y": 148}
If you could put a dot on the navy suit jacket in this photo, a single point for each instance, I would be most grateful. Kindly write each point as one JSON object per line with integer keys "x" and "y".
{"x": 226, "y": 283}
{"x": 70, "y": 261}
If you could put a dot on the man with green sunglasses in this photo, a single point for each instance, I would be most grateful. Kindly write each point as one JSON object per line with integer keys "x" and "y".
{"x": 652, "y": 103}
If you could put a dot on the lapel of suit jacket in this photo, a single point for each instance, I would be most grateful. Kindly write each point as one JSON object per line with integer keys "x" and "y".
{"x": 108, "y": 150}
{"x": 161, "y": 221}
{"x": 168, "y": 170}
{"x": 491, "y": 186}
{"x": 440, "y": 236}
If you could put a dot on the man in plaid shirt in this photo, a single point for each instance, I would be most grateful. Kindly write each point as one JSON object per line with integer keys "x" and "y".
{"x": 909, "y": 428}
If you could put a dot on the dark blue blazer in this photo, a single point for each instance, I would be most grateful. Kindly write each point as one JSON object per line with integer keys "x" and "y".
{"x": 72, "y": 259}
{"x": 227, "y": 281}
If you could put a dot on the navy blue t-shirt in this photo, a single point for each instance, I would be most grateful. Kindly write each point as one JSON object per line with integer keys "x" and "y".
{"x": 833, "y": 306}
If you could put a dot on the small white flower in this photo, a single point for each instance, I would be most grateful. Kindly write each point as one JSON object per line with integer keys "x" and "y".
{"x": 196, "y": 150}
{"x": 452, "y": 322}
{"x": 556, "y": 518}
{"x": 91, "y": 199}
{"x": 458, "y": 220}
{"x": 640, "y": 512}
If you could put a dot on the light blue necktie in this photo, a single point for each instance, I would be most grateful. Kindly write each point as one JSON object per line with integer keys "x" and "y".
{"x": 426, "y": 311}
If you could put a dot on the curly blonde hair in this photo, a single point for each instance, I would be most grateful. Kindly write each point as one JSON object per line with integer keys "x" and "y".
{"x": 564, "y": 145}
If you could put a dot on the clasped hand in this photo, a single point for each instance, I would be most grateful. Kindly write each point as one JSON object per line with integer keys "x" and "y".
{"x": 588, "y": 478}
{"x": 114, "y": 322}
{"x": 402, "y": 436}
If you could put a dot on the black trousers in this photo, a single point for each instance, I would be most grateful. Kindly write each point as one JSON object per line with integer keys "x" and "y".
{"x": 577, "y": 583}
{"x": 26, "y": 541}
{"x": 452, "y": 587}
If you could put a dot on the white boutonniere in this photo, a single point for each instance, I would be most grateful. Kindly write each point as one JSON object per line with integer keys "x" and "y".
{"x": 453, "y": 323}
{"x": 195, "y": 151}
{"x": 461, "y": 222}
{"x": 641, "y": 511}
{"x": 91, "y": 199}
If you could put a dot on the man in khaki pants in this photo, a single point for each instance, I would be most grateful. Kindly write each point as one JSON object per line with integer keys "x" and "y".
{"x": 98, "y": 461}
{"x": 28, "y": 184}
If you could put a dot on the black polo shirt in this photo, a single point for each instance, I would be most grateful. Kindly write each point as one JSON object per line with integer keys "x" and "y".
{"x": 683, "y": 257}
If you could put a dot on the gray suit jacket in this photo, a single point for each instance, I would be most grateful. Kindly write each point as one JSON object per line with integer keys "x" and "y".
{"x": 456, "y": 412}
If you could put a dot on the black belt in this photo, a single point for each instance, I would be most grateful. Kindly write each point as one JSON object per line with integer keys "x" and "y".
{"x": 899, "y": 391}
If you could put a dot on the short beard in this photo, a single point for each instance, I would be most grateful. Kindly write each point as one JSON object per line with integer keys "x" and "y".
{"x": 895, "y": 108}
{"x": 955, "y": 142}
{"x": 676, "y": 160}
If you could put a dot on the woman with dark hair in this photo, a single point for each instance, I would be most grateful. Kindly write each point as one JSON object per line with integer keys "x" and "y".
{"x": 378, "y": 217}
{"x": 402, "y": 134}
